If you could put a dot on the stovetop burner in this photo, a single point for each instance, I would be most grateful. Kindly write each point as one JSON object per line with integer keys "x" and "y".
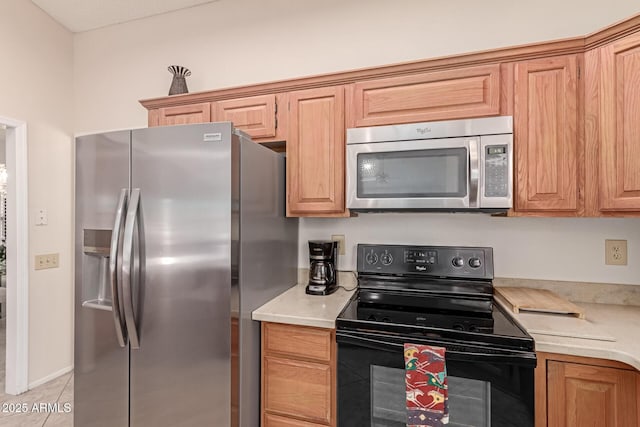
{"x": 439, "y": 292}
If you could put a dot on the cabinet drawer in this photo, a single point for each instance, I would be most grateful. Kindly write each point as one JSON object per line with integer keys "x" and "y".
{"x": 441, "y": 95}
{"x": 296, "y": 388}
{"x": 298, "y": 341}
{"x": 276, "y": 421}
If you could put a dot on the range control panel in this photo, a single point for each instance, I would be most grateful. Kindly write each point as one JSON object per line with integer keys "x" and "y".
{"x": 432, "y": 261}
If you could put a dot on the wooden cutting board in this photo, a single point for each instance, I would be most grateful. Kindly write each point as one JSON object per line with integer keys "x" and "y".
{"x": 540, "y": 300}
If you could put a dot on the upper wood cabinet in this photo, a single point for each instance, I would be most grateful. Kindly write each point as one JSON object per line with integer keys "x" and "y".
{"x": 256, "y": 115}
{"x": 546, "y": 134}
{"x": 575, "y": 102}
{"x": 316, "y": 152}
{"x": 441, "y": 95}
{"x": 619, "y": 114}
{"x": 182, "y": 115}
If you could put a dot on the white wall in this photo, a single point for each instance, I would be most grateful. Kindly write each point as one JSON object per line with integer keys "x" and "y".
{"x": 532, "y": 248}
{"x": 239, "y": 42}
{"x": 236, "y": 42}
{"x": 36, "y": 86}
{"x": 3, "y": 147}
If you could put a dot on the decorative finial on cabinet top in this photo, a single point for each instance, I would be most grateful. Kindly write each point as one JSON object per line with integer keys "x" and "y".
{"x": 178, "y": 84}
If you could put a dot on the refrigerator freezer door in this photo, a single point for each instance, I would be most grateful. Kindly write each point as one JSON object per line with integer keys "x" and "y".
{"x": 180, "y": 375}
{"x": 101, "y": 379}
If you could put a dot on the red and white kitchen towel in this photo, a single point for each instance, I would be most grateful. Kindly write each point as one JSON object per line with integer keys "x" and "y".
{"x": 426, "y": 380}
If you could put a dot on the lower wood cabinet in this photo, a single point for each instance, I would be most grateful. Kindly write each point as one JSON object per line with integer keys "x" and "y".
{"x": 577, "y": 392}
{"x": 298, "y": 376}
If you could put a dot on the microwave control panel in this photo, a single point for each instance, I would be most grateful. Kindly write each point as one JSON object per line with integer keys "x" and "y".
{"x": 496, "y": 169}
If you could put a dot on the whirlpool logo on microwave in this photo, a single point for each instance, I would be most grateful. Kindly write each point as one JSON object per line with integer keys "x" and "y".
{"x": 422, "y": 131}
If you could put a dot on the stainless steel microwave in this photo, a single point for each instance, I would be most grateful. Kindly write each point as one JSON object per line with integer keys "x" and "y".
{"x": 458, "y": 165}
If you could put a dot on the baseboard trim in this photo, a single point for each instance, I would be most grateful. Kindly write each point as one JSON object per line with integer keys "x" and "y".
{"x": 50, "y": 377}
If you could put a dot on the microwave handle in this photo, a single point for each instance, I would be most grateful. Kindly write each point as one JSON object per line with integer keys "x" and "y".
{"x": 474, "y": 173}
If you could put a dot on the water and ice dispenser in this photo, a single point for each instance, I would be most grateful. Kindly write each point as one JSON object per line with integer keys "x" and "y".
{"x": 96, "y": 287}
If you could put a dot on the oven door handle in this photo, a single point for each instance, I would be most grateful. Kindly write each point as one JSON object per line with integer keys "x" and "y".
{"x": 508, "y": 357}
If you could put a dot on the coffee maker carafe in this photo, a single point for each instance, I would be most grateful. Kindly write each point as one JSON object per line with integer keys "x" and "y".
{"x": 323, "y": 257}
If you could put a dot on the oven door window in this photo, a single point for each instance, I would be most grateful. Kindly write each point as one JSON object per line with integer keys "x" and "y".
{"x": 371, "y": 390}
{"x": 434, "y": 173}
{"x": 469, "y": 399}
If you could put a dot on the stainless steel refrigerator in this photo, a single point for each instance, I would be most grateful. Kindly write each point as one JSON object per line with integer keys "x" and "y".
{"x": 180, "y": 233}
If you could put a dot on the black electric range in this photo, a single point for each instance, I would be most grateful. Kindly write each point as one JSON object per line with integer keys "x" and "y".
{"x": 437, "y": 296}
{"x": 438, "y": 292}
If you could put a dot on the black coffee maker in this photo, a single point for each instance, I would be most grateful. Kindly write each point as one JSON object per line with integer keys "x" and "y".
{"x": 323, "y": 258}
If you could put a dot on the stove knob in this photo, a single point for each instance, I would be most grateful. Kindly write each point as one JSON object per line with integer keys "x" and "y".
{"x": 475, "y": 262}
{"x": 457, "y": 262}
{"x": 386, "y": 259}
{"x": 371, "y": 258}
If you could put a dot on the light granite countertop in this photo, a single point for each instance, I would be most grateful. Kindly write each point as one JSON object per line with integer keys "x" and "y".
{"x": 613, "y": 330}
{"x": 295, "y": 307}
{"x": 615, "y": 327}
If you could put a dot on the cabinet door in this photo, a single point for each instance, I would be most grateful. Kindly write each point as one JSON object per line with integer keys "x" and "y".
{"x": 254, "y": 115}
{"x": 441, "y": 95}
{"x": 585, "y": 395}
{"x": 546, "y": 134}
{"x": 620, "y": 124}
{"x": 315, "y": 152}
{"x": 296, "y": 388}
{"x": 184, "y": 114}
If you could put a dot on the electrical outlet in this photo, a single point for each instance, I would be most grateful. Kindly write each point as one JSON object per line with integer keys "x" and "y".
{"x": 47, "y": 261}
{"x": 340, "y": 239}
{"x": 615, "y": 252}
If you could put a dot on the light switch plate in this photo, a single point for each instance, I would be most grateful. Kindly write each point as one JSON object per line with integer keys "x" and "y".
{"x": 41, "y": 217}
{"x": 47, "y": 261}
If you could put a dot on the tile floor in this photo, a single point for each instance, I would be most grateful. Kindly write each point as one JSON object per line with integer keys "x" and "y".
{"x": 59, "y": 390}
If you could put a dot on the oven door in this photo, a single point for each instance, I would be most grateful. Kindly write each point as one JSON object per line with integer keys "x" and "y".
{"x": 419, "y": 174}
{"x": 487, "y": 387}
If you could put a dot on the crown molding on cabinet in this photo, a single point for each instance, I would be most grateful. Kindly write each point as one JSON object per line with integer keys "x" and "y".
{"x": 567, "y": 46}
{"x": 612, "y": 32}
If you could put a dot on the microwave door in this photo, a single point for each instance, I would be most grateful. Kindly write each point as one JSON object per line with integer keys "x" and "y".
{"x": 418, "y": 174}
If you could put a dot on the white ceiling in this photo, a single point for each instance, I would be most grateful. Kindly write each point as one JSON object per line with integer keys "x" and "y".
{"x": 84, "y": 15}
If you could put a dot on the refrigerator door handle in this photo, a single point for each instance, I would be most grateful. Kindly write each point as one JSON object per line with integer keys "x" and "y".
{"x": 133, "y": 212}
{"x": 113, "y": 264}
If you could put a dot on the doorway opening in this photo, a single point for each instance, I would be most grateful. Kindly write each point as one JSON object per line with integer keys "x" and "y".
{"x": 15, "y": 236}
